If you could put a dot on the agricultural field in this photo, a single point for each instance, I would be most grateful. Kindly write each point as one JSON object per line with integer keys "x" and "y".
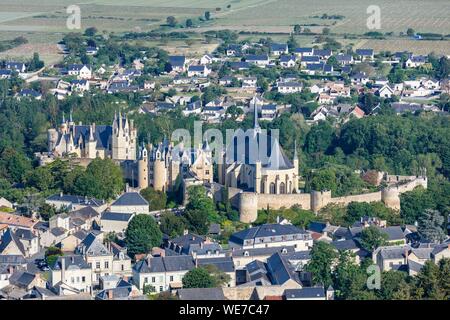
{"x": 44, "y": 22}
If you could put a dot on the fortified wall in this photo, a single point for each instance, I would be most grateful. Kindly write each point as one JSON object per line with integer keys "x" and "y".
{"x": 248, "y": 203}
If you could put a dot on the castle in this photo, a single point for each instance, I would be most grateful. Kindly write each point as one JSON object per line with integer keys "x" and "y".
{"x": 165, "y": 166}
{"x": 259, "y": 181}
{"x": 117, "y": 141}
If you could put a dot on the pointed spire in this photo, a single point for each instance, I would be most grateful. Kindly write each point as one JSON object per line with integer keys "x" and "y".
{"x": 295, "y": 150}
{"x": 91, "y": 133}
{"x": 256, "y": 126}
{"x": 63, "y": 118}
{"x": 70, "y": 115}
{"x": 206, "y": 145}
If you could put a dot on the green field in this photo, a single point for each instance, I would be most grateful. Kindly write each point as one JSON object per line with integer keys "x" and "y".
{"x": 44, "y": 21}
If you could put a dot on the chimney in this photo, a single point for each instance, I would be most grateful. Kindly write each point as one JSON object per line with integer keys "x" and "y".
{"x": 110, "y": 294}
{"x": 185, "y": 232}
{"x": 63, "y": 269}
{"x": 61, "y": 194}
{"x": 196, "y": 263}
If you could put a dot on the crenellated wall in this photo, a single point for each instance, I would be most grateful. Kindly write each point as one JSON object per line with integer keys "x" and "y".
{"x": 249, "y": 203}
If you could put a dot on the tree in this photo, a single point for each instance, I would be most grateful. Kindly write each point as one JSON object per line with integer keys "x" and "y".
{"x": 142, "y": 234}
{"x": 410, "y": 32}
{"x": 172, "y": 225}
{"x": 349, "y": 279}
{"x": 207, "y": 15}
{"x": 102, "y": 179}
{"x": 200, "y": 210}
{"x": 431, "y": 226}
{"x": 220, "y": 278}
{"x": 443, "y": 68}
{"x": 171, "y": 21}
{"x": 157, "y": 199}
{"x": 47, "y": 211}
{"x": 323, "y": 257}
{"x": 414, "y": 203}
{"x": 198, "y": 278}
{"x": 428, "y": 282}
{"x": 189, "y": 23}
{"x": 36, "y": 63}
{"x": 372, "y": 238}
{"x": 52, "y": 254}
{"x": 297, "y": 29}
{"x": 326, "y": 31}
{"x": 324, "y": 179}
{"x": 292, "y": 43}
{"x": 394, "y": 286}
{"x": 90, "y": 32}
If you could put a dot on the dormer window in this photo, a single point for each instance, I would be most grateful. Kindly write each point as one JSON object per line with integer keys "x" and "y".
{"x": 246, "y": 253}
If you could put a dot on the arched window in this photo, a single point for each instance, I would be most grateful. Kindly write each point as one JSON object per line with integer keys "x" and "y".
{"x": 290, "y": 187}
{"x": 247, "y": 150}
{"x": 235, "y": 147}
{"x": 263, "y": 187}
{"x": 272, "y": 188}
{"x": 282, "y": 188}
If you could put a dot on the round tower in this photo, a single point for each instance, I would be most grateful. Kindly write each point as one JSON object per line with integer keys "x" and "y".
{"x": 159, "y": 172}
{"x": 248, "y": 207}
{"x": 319, "y": 199}
{"x": 143, "y": 169}
{"x": 391, "y": 197}
{"x": 52, "y": 138}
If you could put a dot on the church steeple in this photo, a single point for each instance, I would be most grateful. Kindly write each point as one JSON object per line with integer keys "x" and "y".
{"x": 295, "y": 150}
{"x": 256, "y": 126}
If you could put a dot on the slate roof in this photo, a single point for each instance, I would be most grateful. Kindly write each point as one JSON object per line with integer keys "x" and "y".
{"x": 91, "y": 246}
{"x": 364, "y": 52}
{"x": 197, "y": 68}
{"x": 58, "y": 231}
{"x": 71, "y": 262}
{"x": 278, "y": 47}
{"x": 322, "y": 52}
{"x": 310, "y": 59}
{"x": 317, "y": 226}
{"x": 177, "y": 61}
{"x": 255, "y": 252}
{"x": 224, "y": 264}
{"x": 280, "y": 270}
{"x": 201, "y": 294}
{"x": 349, "y": 244}
{"x": 130, "y": 199}
{"x": 265, "y": 230}
{"x": 303, "y": 50}
{"x": 116, "y": 216}
{"x": 304, "y": 293}
{"x": 120, "y": 293}
{"x": 22, "y": 279}
{"x": 25, "y": 234}
{"x": 394, "y": 252}
{"x": 254, "y": 57}
{"x": 393, "y": 232}
{"x": 8, "y": 237}
{"x": 165, "y": 264}
{"x": 99, "y": 130}
{"x": 76, "y": 67}
{"x": 10, "y": 259}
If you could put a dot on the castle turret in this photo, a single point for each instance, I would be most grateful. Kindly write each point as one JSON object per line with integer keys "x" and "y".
{"x": 91, "y": 144}
{"x": 296, "y": 166}
{"x": 159, "y": 170}
{"x": 143, "y": 168}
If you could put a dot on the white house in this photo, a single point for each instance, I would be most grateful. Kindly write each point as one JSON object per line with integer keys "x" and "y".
{"x": 81, "y": 71}
{"x": 198, "y": 71}
{"x": 289, "y": 87}
{"x": 130, "y": 202}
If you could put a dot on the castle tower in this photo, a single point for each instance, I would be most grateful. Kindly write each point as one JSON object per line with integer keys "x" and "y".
{"x": 295, "y": 162}
{"x": 52, "y": 137}
{"x": 159, "y": 170}
{"x": 91, "y": 144}
{"x": 143, "y": 168}
{"x": 123, "y": 139}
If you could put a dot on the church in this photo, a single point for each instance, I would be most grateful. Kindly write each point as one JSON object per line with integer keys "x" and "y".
{"x": 116, "y": 141}
{"x": 255, "y": 162}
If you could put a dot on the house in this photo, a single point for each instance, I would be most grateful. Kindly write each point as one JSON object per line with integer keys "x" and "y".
{"x": 69, "y": 275}
{"x": 30, "y": 93}
{"x": 201, "y": 294}
{"x": 309, "y": 60}
{"x": 192, "y": 108}
{"x": 258, "y": 60}
{"x": 415, "y": 61}
{"x": 73, "y": 202}
{"x": 5, "y": 73}
{"x": 162, "y": 273}
{"x": 213, "y": 113}
{"x": 385, "y": 92}
{"x": 324, "y": 54}
{"x": 289, "y": 87}
{"x": 233, "y": 50}
{"x": 365, "y": 54}
{"x": 268, "y": 112}
{"x": 177, "y": 63}
{"x": 242, "y": 257}
{"x": 19, "y": 242}
{"x": 198, "y": 71}
{"x": 121, "y": 261}
{"x": 206, "y": 59}
{"x": 223, "y": 264}
{"x": 84, "y": 218}
{"x": 120, "y": 290}
{"x": 277, "y": 49}
{"x": 90, "y": 51}
{"x": 97, "y": 256}
{"x": 240, "y": 65}
{"x": 359, "y": 78}
{"x": 130, "y": 202}
{"x": 344, "y": 59}
{"x": 81, "y": 71}
{"x": 249, "y": 82}
{"x": 307, "y": 293}
{"x": 71, "y": 241}
{"x": 115, "y": 221}
{"x": 391, "y": 257}
{"x": 80, "y": 85}
{"x": 271, "y": 235}
{"x": 303, "y": 52}
{"x": 16, "y": 221}
{"x": 287, "y": 61}
{"x": 226, "y": 81}
{"x": 16, "y": 66}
